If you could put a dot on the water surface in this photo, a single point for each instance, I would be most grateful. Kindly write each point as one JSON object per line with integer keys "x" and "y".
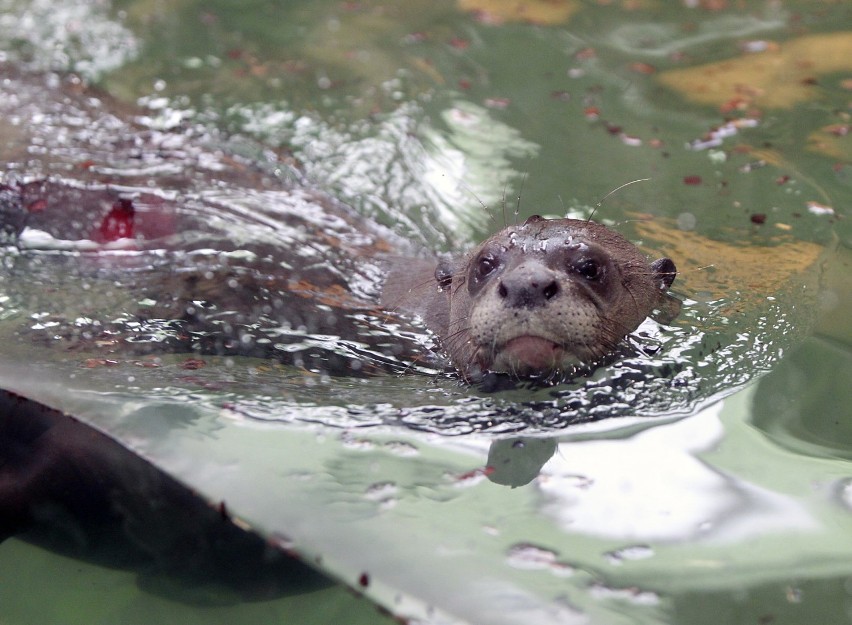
{"x": 666, "y": 482}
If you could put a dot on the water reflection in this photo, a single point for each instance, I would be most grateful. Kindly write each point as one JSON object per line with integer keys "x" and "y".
{"x": 518, "y": 461}
{"x": 656, "y": 486}
{"x": 804, "y": 403}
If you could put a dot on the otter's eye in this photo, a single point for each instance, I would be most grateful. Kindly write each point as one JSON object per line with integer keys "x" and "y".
{"x": 589, "y": 268}
{"x": 485, "y": 266}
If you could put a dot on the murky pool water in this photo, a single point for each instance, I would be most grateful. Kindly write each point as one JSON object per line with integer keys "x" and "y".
{"x": 269, "y": 150}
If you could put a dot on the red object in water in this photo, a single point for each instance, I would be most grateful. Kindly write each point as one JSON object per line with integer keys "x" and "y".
{"x": 692, "y": 180}
{"x": 37, "y": 206}
{"x": 193, "y": 363}
{"x": 118, "y": 223}
{"x": 592, "y": 113}
{"x": 643, "y": 68}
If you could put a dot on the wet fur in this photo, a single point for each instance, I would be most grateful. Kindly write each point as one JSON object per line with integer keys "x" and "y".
{"x": 441, "y": 293}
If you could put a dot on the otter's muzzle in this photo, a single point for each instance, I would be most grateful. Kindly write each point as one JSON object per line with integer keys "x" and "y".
{"x": 529, "y": 285}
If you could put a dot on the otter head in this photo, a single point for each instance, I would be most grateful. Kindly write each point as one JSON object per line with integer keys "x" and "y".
{"x": 534, "y": 299}
{"x": 546, "y": 295}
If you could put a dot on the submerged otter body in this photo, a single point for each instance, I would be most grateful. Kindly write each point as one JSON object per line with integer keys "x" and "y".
{"x": 184, "y": 247}
{"x": 535, "y": 299}
{"x": 126, "y": 241}
{"x": 285, "y": 274}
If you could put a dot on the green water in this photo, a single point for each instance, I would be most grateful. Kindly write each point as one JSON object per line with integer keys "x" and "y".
{"x": 718, "y": 495}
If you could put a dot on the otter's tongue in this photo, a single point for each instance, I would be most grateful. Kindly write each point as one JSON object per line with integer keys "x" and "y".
{"x": 534, "y": 352}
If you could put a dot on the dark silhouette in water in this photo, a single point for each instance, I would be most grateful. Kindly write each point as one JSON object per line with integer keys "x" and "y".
{"x": 69, "y": 488}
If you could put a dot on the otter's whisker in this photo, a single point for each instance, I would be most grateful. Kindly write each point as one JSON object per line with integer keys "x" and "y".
{"x": 618, "y": 188}
{"x": 520, "y": 192}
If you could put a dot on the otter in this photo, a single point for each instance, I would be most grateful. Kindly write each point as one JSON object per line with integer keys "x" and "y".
{"x": 535, "y": 299}
{"x": 201, "y": 251}
{"x": 127, "y": 241}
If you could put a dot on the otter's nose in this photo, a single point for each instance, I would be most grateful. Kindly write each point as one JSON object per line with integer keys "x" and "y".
{"x": 528, "y": 286}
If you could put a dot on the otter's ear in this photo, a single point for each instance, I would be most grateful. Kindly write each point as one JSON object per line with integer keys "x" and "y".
{"x": 664, "y": 272}
{"x": 444, "y": 273}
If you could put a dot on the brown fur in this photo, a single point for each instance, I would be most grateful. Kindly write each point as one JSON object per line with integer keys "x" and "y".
{"x": 535, "y": 298}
